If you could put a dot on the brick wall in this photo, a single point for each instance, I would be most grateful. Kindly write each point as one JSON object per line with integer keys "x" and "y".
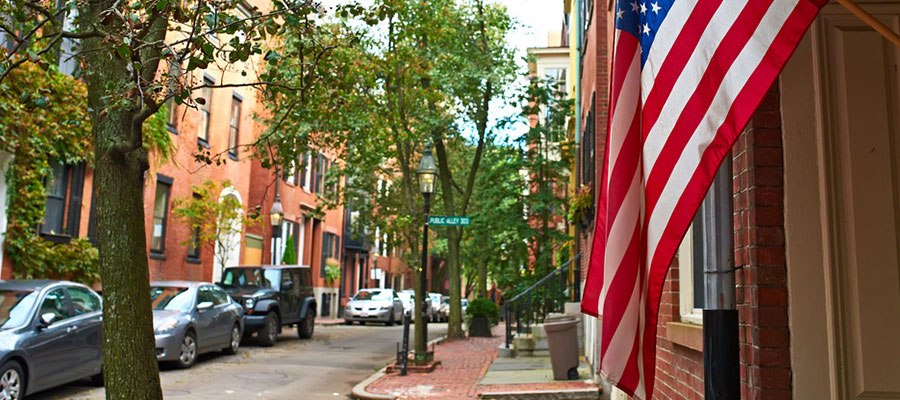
{"x": 760, "y": 255}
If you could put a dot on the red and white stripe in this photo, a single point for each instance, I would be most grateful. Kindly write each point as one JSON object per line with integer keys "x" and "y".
{"x": 670, "y": 126}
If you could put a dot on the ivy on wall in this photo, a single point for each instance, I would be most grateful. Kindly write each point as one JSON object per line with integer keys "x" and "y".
{"x": 44, "y": 118}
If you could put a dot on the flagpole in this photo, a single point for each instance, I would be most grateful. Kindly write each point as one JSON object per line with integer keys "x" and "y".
{"x": 871, "y": 21}
{"x": 721, "y": 351}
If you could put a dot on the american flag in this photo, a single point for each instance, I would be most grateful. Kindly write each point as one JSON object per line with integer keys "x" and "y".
{"x": 686, "y": 77}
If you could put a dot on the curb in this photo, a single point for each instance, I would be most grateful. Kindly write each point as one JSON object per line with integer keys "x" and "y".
{"x": 359, "y": 391}
{"x": 329, "y": 323}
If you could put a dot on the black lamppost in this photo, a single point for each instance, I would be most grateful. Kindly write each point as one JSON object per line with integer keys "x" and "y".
{"x": 427, "y": 173}
{"x": 276, "y": 215}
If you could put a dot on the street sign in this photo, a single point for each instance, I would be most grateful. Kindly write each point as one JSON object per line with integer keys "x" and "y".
{"x": 449, "y": 221}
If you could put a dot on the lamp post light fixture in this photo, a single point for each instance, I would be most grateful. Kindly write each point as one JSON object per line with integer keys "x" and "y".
{"x": 427, "y": 172}
{"x": 276, "y": 215}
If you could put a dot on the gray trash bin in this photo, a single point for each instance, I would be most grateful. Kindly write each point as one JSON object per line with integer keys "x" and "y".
{"x": 562, "y": 339}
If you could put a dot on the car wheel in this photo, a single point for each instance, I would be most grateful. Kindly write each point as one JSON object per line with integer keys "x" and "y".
{"x": 12, "y": 381}
{"x": 307, "y": 326}
{"x": 268, "y": 335}
{"x": 188, "y": 354}
{"x": 234, "y": 341}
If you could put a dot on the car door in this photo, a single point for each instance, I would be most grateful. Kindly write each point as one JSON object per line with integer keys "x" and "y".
{"x": 287, "y": 297}
{"x": 51, "y": 348}
{"x": 224, "y": 318}
{"x": 206, "y": 320}
{"x": 87, "y": 314}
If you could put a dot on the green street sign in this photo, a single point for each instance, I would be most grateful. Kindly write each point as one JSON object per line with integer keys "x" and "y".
{"x": 449, "y": 221}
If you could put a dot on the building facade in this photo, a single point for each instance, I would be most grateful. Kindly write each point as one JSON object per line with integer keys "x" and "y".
{"x": 814, "y": 183}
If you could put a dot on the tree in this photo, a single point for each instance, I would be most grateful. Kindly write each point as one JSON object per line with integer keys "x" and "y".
{"x": 290, "y": 252}
{"x": 122, "y": 46}
{"x": 214, "y": 216}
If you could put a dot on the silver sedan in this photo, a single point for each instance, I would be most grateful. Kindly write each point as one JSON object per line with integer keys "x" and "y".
{"x": 374, "y": 305}
{"x": 191, "y": 318}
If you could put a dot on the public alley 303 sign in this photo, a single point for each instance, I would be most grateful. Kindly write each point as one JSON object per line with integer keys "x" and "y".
{"x": 449, "y": 221}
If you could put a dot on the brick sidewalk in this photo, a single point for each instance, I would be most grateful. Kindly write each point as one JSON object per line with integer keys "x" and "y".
{"x": 463, "y": 363}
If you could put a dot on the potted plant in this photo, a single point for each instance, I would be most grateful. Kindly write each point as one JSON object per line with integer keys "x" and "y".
{"x": 332, "y": 271}
{"x": 481, "y": 314}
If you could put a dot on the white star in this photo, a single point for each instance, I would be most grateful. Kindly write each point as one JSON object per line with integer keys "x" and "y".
{"x": 643, "y": 8}
{"x": 647, "y": 29}
{"x": 656, "y": 7}
{"x": 620, "y": 13}
{"x": 634, "y": 6}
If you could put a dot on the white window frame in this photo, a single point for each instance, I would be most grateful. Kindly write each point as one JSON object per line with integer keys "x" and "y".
{"x": 689, "y": 314}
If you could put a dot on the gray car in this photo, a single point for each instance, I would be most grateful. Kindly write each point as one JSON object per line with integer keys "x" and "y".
{"x": 375, "y": 305}
{"x": 50, "y": 334}
{"x": 191, "y": 318}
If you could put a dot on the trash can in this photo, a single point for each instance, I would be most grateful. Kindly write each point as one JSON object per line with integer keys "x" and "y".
{"x": 562, "y": 340}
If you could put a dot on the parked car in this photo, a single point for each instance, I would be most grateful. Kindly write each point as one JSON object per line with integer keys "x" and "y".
{"x": 374, "y": 305}
{"x": 444, "y": 310}
{"x": 273, "y": 297}
{"x": 191, "y": 318}
{"x": 464, "y": 303}
{"x": 435, "y": 304}
{"x": 50, "y": 335}
{"x": 406, "y": 296}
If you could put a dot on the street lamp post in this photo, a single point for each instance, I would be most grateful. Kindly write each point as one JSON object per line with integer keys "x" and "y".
{"x": 427, "y": 173}
{"x": 276, "y": 215}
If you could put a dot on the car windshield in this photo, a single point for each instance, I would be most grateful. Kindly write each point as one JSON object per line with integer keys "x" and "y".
{"x": 15, "y": 306}
{"x": 251, "y": 277}
{"x": 170, "y": 298}
{"x": 373, "y": 295}
{"x": 405, "y": 296}
{"x": 465, "y": 302}
{"x": 445, "y": 300}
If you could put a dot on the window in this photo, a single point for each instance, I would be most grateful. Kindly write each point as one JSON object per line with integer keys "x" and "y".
{"x": 219, "y": 296}
{"x": 588, "y": 161}
{"x": 172, "y": 107}
{"x": 160, "y": 215}
{"x": 84, "y": 301}
{"x": 701, "y": 245}
{"x": 205, "y": 111}
{"x": 56, "y": 200}
{"x": 56, "y": 304}
{"x": 204, "y": 296}
{"x": 64, "y": 186}
{"x": 320, "y": 174}
{"x": 234, "y": 128}
{"x": 288, "y": 231}
{"x": 331, "y": 248}
{"x": 305, "y": 167}
{"x": 193, "y": 250}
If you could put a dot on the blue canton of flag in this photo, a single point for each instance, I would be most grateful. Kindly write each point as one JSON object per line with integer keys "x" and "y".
{"x": 642, "y": 20}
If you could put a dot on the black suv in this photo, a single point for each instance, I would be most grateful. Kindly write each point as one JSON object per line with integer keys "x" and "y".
{"x": 273, "y": 296}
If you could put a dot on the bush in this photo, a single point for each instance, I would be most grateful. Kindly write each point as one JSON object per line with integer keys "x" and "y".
{"x": 483, "y": 308}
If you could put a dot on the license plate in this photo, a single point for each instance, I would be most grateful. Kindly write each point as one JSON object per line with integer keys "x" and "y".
{"x": 363, "y": 314}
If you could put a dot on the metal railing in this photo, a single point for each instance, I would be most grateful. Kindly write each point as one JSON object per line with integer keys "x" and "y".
{"x": 545, "y": 296}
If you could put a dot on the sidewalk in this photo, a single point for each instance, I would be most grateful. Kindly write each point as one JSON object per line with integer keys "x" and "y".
{"x": 329, "y": 321}
{"x": 462, "y": 375}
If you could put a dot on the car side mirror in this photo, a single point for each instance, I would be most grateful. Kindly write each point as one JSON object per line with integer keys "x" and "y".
{"x": 47, "y": 319}
{"x": 206, "y": 305}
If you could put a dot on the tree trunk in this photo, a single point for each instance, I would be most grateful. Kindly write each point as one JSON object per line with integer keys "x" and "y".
{"x": 482, "y": 279}
{"x": 129, "y": 357}
{"x": 129, "y": 350}
{"x": 454, "y": 326}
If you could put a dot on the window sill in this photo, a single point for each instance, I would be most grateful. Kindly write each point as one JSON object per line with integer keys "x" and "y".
{"x": 172, "y": 129}
{"x": 687, "y": 335}
{"x": 193, "y": 260}
{"x": 202, "y": 142}
{"x": 232, "y": 156}
{"x": 157, "y": 256}
{"x": 56, "y": 238}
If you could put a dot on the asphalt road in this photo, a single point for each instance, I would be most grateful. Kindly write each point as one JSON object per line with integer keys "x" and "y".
{"x": 324, "y": 367}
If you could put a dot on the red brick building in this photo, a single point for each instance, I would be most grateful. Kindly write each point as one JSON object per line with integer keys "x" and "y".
{"x": 815, "y": 205}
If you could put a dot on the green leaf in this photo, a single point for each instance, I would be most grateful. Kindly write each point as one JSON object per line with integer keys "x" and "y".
{"x": 161, "y": 5}
{"x": 123, "y": 51}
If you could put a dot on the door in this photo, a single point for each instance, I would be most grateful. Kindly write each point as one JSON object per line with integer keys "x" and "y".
{"x": 290, "y": 310}
{"x": 206, "y": 320}
{"x": 224, "y": 318}
{"x": 87, "y": 316}
{"x": 51, "y": 348}
{"x": 842, "y": 207}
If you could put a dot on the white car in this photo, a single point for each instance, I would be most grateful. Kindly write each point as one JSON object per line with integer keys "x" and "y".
{"x": 406, "y": 297}
{"x": 409, "y": 297}
{"x": 435, "y": 306}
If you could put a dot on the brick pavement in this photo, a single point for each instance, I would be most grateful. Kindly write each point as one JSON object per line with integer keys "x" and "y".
{"x": 463, "y": 363}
